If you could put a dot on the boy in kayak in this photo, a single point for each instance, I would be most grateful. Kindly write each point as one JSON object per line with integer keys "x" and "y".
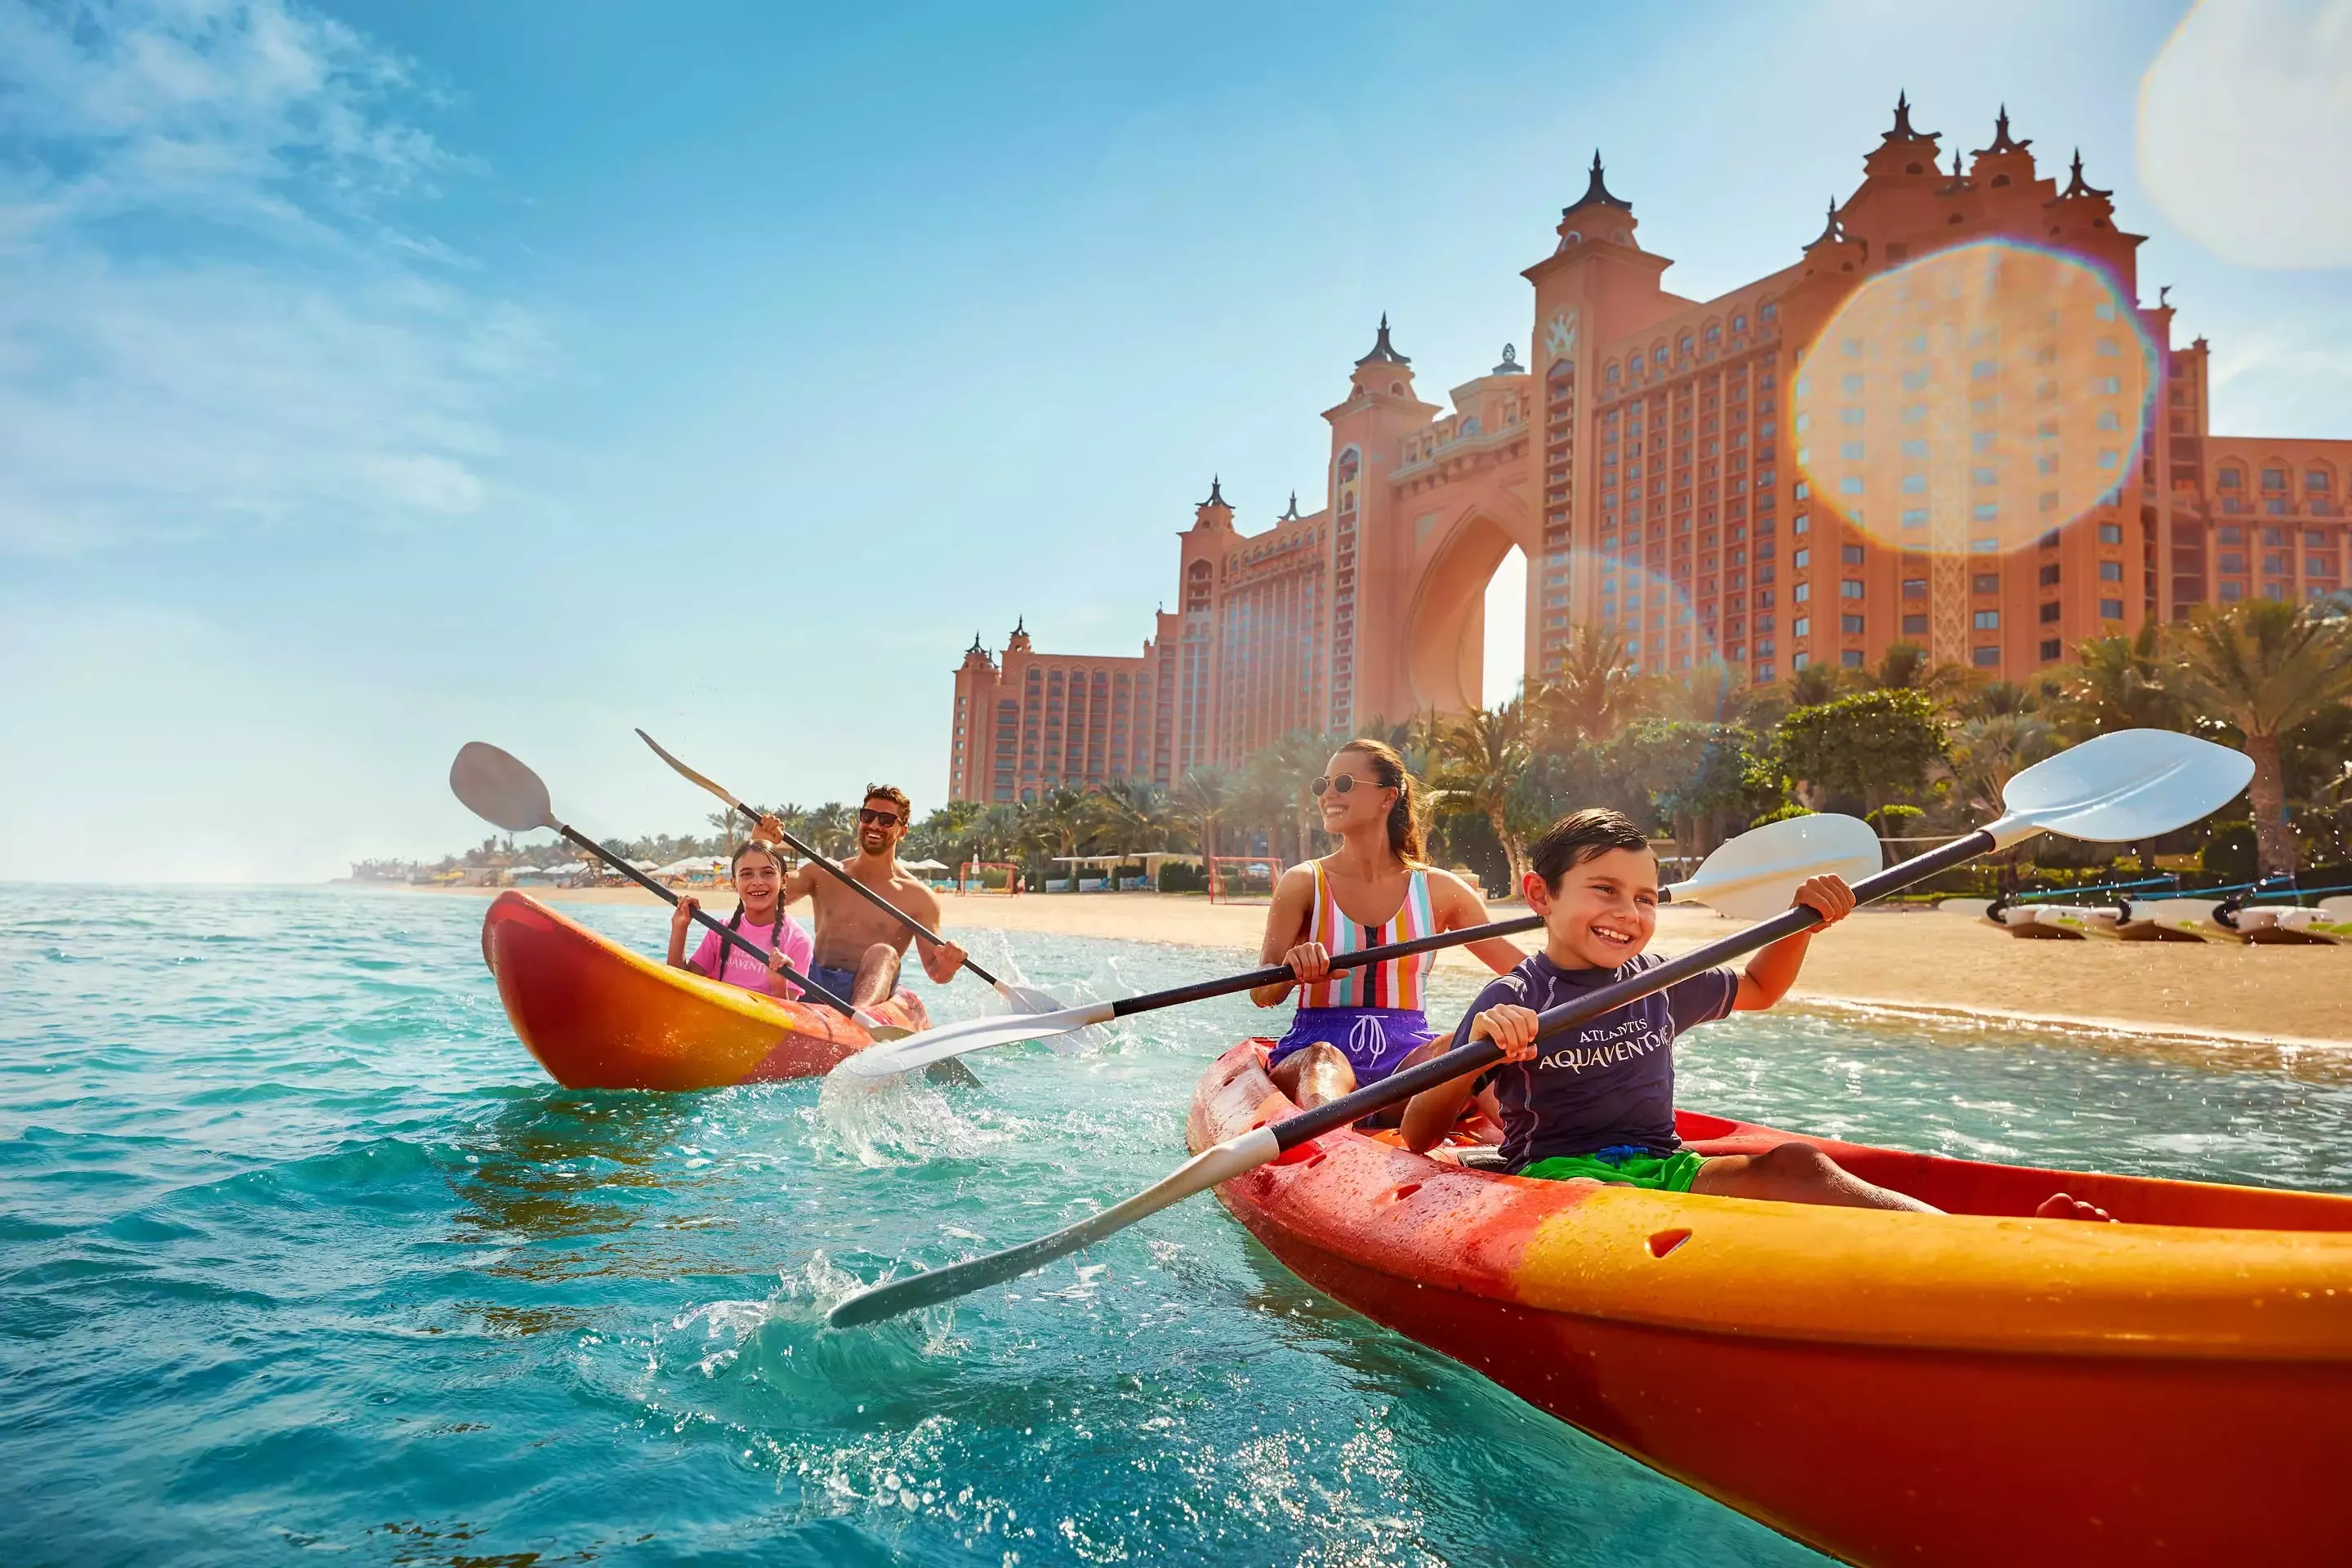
{"x": 1601, "y": 1106}
{"x": 759, "y": 879}
{"x": 858, "y": 948}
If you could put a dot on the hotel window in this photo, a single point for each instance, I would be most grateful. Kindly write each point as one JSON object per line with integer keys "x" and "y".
{"x": 2111, "y": 609}
{"x": 2111, "y": 571}
{"x": 2316, "y": 480}
{"x": 1848, "y": 587}
{"x": 2050, "y": 575}
{"x": 1915, "y": 587}
{"x": 1739, "y": 323}
{"x": 1850, "y": 553}
{"x": 2109, "y": 533}
{"x": 2232, "y": 561}
{"x": 1914, "y": 626}
{"x": 1770, "y": 313}
{"x": 1802, "y": 559}
{"x": 1851, "y": 625}
{"x": 1801, "y": 661}
{"x": 1985, "y": 583}
{"x": 2051, "y": 648}
{"x": 2274, "y": 481}
{"x": 1985, "y": 658}
{"x": 1804, "y": 591}
{"x": 1985, "y": 511}
{"x": 2049, "y": 611}
{"x": 1851, "y": 659}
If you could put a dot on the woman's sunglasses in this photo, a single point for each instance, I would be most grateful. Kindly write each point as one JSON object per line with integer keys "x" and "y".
{"x": 1339, "y": 785}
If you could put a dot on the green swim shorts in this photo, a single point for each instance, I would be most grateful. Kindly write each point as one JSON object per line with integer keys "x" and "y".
{"x": 1625, "y": 1167}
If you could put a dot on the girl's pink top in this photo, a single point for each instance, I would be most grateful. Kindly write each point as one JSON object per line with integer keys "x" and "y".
{"x": 741, "y": 968}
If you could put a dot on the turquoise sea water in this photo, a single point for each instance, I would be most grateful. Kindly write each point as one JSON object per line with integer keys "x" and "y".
{"x": 300, "y": 1256}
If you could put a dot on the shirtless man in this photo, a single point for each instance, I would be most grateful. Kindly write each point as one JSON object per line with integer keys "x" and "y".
{"x": 858, "y": 948}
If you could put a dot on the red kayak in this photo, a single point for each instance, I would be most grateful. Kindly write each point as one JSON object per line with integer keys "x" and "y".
{"x": 1974, "y": 1387}
{"x": 599, "y": 1015}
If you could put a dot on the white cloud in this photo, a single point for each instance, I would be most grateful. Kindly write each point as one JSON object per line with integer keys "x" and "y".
{"x": 270, "y": 351}
{"x": 2246, "y": 130}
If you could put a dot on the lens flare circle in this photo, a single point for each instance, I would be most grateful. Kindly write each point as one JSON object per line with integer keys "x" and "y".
{"x": 1971, "y": 402}
{"x": 1641, "y": 604}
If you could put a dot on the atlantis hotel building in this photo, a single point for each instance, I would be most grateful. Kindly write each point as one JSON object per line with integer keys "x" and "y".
{"x": 1950, "y": 420}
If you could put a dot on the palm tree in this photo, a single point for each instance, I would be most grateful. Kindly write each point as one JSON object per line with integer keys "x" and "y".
{"x": 1992, "y": 749}
{"x": 2119, "y": 683}
{"x": 1596, "y": 690}
{"x": 1138, "y": 813}
{"x": 1203, "y": 797}
{"x": 1057, "y": 824}
{"x": 2263, "y": 666}
{"x": 1481, "y": 756}
{"x": 829, "y": 829}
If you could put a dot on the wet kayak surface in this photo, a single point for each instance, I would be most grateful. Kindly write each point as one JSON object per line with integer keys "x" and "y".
{"x": 303, "y": 1254}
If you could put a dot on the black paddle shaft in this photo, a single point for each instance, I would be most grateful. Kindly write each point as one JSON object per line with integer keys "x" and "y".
{"x": 734, "y": 938}
{"x": 793, "y": 843}
{"x": 1282, "y": 974}
{"x": 1400, "y": 1086}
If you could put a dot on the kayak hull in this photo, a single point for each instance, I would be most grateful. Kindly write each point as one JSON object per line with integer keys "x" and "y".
{"x": 596, "y": 1015}
{"x": 1972, "y": 1388}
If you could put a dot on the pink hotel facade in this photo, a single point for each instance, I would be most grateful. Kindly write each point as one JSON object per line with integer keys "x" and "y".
{"x": 1647, "y": 460}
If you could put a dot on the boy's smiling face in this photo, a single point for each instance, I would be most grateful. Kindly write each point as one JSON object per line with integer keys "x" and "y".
{"x": 1605, "y": 911}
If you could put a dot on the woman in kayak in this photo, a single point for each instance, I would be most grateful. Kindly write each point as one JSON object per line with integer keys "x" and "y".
{"x": 1355, "y": 1025}
{"x": 759, "y": 917}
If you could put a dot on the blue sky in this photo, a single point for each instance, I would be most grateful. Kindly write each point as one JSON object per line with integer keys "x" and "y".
{"x": 377, "y": 377}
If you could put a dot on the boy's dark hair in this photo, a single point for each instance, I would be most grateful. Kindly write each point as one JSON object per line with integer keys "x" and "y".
{"x": 897, "y": 797}
{"x": 1580, "y": 837}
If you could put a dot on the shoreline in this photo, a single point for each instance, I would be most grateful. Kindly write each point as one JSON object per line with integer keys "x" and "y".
{"x": 1917, "y": 964}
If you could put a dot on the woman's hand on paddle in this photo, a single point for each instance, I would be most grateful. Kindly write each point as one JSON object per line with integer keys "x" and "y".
{"x": 1512, "y": 1028}
{"x": 1827, "y": 896}
{"x": 1310, "y": 961}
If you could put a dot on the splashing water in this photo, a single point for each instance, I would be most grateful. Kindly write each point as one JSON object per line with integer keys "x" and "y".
{"x": 302, "y": 1251}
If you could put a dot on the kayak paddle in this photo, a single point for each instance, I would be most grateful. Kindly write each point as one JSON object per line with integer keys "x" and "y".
{"x": 2129, "y": 784}
{"x": 1749, "y": 877}
{"x": 500, "y": 789}
{"x": 1028, "y": 998}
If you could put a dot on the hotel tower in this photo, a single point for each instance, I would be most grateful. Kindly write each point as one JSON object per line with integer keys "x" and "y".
{"x": 1840, "y": 455}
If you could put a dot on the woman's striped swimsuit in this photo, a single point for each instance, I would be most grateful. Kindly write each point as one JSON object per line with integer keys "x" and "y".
{"x": 1372, "y": 1014}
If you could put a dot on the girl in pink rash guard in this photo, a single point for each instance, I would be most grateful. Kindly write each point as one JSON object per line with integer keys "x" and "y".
{"x": 759, "y": 917}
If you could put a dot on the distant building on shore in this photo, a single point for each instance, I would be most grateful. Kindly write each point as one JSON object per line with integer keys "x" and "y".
{"x": 1653, "y": 462}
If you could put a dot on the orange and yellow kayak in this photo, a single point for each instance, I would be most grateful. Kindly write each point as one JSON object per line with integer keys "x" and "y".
{"x": 1975, "y": 1388}
{"x": 598, "y": 1015}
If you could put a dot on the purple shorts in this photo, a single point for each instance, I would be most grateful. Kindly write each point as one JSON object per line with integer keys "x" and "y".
{"x": 1373, "y": 1039}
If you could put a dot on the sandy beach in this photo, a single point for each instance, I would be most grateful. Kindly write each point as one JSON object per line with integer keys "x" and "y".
{"x": 1916, "y": 963}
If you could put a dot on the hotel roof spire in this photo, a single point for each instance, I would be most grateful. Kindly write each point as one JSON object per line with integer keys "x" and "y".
{"x": 1833, "y": 230}
{"x": 1902, "y": 131}
{"x": 2002, "y": 139}
{"x": 1596, "y": 192}
{"x": 1383, "y": 351}
{"x": 1292, "y": 515}
{"x": 2080, "y": 186}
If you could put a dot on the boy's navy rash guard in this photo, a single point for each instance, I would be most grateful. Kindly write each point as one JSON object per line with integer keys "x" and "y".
{"x": 1611, "y": 1083}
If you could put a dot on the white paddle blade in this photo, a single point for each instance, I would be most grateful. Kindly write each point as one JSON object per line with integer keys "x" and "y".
{"x": 496, "y": 786}
{"x": 1028, "y": 998}
{"x": 1221, "y": 1162}
{"x": 973, "y": 1034}
{"x": 1755, "y": 876}
{"x": 2124, "y": 785}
